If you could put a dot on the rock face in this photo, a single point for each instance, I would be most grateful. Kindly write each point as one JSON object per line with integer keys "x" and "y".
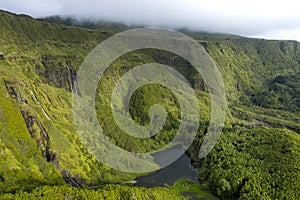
{"x": 58, "y": 71}
{"x": 12, "y": 91}
{"x": 70, "y": 180}
{"x": 205, "y": 45}
{"x": 199, "y": 84}
{"x": 29, "y": 121}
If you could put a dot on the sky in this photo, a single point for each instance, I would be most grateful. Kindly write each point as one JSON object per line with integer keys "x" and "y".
{"x": 256, "y": 18}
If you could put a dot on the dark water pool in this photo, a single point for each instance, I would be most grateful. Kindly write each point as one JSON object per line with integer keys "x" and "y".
{"x": 181, "y": 168}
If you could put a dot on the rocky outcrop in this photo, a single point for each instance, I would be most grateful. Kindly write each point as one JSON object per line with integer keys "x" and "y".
{"x": 29, "y": 121}
{"x": 219, "y": 45}
{"x": 205, "y": 45}
{"x": 70, "y": 180}
{"x": 199, "y": 84}
{"x": 13, "y": 91}
{"x": 132, "y": 182}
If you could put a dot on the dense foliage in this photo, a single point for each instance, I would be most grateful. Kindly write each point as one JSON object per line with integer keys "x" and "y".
{"x": 282, "y": 93}
{"x": 257, "y": 157}
{"x": 253, "y": 163}
{"x": 109, "y": 192}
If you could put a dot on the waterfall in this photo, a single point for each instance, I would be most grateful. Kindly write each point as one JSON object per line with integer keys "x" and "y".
{"x": 72, "y": 81}
{"x": 35, "y": 99}
{"x": 42, "y": 130}
{"x": 70, "y": 78}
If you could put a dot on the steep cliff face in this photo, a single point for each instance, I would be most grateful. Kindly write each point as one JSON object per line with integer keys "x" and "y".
{"x": 34, "y": 126}
{"x": 20, "y": 159}
{"x": 58, "y": 71}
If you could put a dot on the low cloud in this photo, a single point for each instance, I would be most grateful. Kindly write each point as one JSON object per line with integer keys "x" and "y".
{"x": 269, "y": 19}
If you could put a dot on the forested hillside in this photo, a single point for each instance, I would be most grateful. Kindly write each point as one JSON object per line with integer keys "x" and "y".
{"x": 257, "y": 157}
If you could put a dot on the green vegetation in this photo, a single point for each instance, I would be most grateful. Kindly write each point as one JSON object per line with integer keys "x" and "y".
{"x": 257, "y": 163}
{"x": 186, "y": 186}
{"x": 257, "y": 157}
{"x": 142, "y": 100}
{"x": 109, "y": 192}
{"x": 282, "y": 93}
{"x": 36, "y": 55}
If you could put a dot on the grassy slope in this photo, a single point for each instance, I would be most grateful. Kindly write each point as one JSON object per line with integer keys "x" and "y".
{"x": 37, "y": 52}
{"x": 24, "y": 43}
